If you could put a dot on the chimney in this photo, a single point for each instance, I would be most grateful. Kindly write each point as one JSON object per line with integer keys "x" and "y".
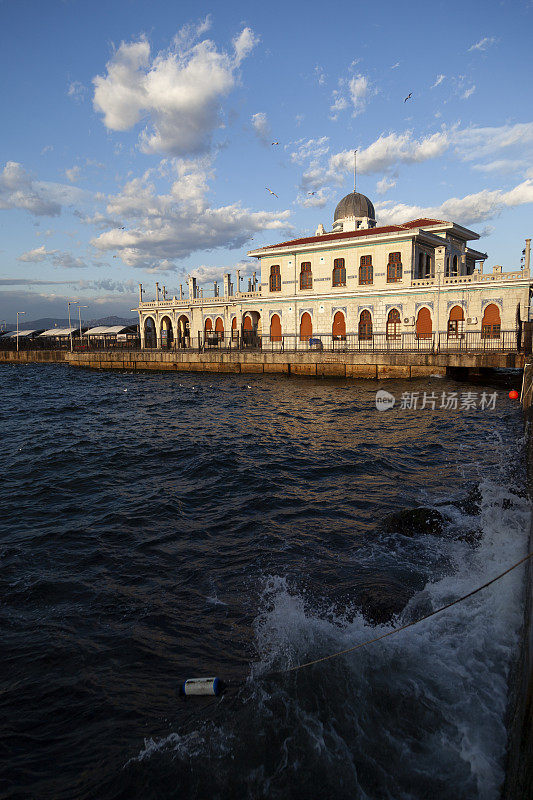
{"x": 181, "y": 292}
{"x": 192, "y": 287}
{"x": 157, "y": 292}
{"x": 215, "y": 285}
{"x": 227, "y": 283}
{"x": 238, "y": 280}
{"x": 140, "y": 293}
{"x": 528, "y": 253}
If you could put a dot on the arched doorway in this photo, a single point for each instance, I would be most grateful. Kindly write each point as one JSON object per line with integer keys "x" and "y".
{"x": 167, "y": 334}
{"x": 365, "y": 325}
{"x": 219, "y": 328}
{"x": 424, "y": 328}
{"x": 393, "y": 324}
{"x": 338, "y": 328}
{"x": 456, "y": 322}
{"x": 234, "y": 331}
{"x": 251, "y": 329}
{"x": 275, "y": 328}
{"x": 491, "y": 322}
{"x": 184, "y": 332}
{"x": 150, "y": 335}
{"x": 306, "y": 327}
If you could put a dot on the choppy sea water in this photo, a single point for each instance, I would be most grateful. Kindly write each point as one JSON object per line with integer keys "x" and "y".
{"x": 159, "y": 527}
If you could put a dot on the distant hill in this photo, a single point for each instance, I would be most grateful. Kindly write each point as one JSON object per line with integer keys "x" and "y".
{"x": 54, "y": 322}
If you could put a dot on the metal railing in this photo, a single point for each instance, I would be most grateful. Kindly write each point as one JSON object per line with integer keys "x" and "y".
{"x": 437, "y": 342}
{"x": 507, "y": 341}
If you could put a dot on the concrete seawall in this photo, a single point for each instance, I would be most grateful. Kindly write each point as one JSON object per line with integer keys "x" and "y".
{"x": 369, "y": 364}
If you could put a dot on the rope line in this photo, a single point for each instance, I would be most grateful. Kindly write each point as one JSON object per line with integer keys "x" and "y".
{"x": 404, "y": 627}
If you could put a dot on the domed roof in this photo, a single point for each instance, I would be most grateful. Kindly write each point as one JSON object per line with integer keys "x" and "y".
{"x": 354, "y": 205}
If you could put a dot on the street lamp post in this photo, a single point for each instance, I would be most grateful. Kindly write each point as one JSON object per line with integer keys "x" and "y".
{"x": 70, "y": 303}
{"x": 18, "y": 312}
{"x": 79, "y": 316}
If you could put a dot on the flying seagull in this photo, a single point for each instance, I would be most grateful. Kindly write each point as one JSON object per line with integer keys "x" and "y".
{"x": 408, "y": 97}
{"x": 271, "y": 192}
{"x": 275, "y": 142}
{"x": 311, "y": 192}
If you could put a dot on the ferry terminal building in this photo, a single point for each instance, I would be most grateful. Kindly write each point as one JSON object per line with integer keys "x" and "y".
{"x": 359, "y": 284}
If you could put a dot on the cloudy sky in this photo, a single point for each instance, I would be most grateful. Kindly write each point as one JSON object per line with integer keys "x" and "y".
{"x": 138, "y": 139}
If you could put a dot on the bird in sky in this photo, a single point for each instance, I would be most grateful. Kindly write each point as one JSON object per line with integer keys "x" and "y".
{"x": 122, "y": 229}
{"x": 311, "y": 192}
{"x": 271, "y": 192}
{"x": 408, "y": 97}
{"x": 275, "y": 142}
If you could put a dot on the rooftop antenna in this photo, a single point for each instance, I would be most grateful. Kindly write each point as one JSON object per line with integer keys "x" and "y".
{"x": 354, "y": 169}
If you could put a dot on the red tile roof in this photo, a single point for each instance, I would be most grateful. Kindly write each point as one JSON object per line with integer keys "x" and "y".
{"x": 326, "y": 237}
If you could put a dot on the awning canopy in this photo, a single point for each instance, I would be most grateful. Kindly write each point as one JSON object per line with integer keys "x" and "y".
{"x": 13, "y": 334}
{"x": 59, "y": 331}
{"x": 103, "y": 330}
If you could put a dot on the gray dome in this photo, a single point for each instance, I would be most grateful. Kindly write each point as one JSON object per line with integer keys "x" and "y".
{"x": 354, "y": 205}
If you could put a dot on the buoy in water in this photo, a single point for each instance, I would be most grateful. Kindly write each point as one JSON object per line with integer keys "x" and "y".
{"x": 201, "y": 686}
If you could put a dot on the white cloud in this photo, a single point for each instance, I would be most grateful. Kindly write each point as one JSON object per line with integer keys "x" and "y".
{"x": 58, "y": 258}
{"x": 504, "y": 165}
{"x": 19, "y": 190}
{"x": 468, "y": 92}
{"x": 390, "y": 150}
{"x": 320, "y": 75}
{"x": 179, "y": 91}
{"x": 357, "y": 90}
{"x": 358, "y": 87}
{"x": 261, "y": 127}
{"x": 73, "y": 174}
{"x": 244, "y": 43}
{"x": 438, "y": 81}
{"x": 167, "y": 227}
{"x": 483, "y": 44}
{"x": 36, "y": 255}
{"x": 77, "y": 91}
{"x": 471, "y": 209}
{"x": 395, "y": 66}
{"x": 47, "y": 149}
{"x": 384, "y": 185}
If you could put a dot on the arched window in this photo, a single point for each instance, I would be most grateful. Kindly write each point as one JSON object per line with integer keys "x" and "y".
{"x": 338, "y": 329}
{"x": 339, "y": 272}
{"x": 421, "y": 265}
{"x": 208, "y": 326}
{"x": 219, "y": 327}
{"x": 424, "y": 327}
{"x": 491, "y": 322}
{"x": 275, "y": 328}
{"x": 393, "y": 324}
{"x": 454, "y": 266}
{"x": 306, "y": 327}
{"x": 306, "y": 276}
{"x": 366, "y": 272}
{"x": 428, "y": 266}
{"x": 447, "y": 266}
{"x": 456, "y": 322}
{"x": 234, "y": 331}
{"x": 394, "y": 268}
{"x": 275, "y": 278}
{"x": 247, "y": 323}
{"x": 365, "y": 325}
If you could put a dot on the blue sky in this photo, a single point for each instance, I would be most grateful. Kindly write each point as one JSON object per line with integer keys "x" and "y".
{"x": 136, "y": 137}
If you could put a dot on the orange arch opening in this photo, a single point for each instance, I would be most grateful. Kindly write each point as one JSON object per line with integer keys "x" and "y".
{"x": 306, "y": 327}
{"x": 339, "y": 325}
{"x": 424, "y": 327}
{"x": 275, "y": 328}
